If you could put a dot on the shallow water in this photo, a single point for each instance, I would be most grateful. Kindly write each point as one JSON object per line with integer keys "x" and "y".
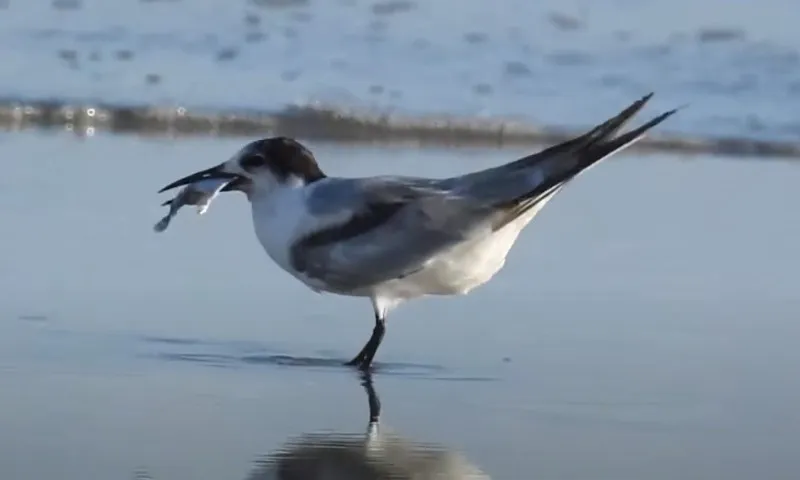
{"x": 644, "y": 327}
{"x": 736, "y": 62}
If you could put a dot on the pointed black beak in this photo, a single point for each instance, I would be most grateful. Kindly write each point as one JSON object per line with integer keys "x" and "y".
{"x": 213, "y": 172}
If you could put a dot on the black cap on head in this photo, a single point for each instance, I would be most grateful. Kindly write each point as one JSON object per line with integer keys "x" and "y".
{"x": 284, "y": 157}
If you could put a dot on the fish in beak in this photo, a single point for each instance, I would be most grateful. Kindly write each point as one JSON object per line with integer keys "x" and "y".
{"x": 199, "y": 193}
{"x": 200, "y": 189}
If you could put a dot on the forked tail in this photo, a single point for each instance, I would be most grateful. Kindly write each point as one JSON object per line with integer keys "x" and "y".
{"x": 561, "y": 163}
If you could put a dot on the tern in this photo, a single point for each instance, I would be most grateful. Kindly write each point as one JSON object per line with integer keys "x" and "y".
{"x": 396, "y": 238}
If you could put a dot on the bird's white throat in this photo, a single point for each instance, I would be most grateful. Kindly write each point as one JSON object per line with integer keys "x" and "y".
{"x": 279, "y": 216}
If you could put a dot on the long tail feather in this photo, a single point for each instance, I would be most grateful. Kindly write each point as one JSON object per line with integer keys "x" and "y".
{"x": 605, "y": 130}
{"x": 562, "y": 166}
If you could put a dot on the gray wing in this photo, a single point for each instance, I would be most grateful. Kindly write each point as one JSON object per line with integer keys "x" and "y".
{"x": 394, "y": 226}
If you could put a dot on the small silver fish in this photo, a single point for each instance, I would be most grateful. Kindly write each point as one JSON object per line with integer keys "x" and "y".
{"x": 199, "y": 193}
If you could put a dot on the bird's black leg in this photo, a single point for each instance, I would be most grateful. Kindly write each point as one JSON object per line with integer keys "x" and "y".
{"x": 364, "y": 358}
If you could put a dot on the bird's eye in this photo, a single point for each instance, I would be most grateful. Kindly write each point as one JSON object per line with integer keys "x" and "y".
{"x": 252, "y": 161}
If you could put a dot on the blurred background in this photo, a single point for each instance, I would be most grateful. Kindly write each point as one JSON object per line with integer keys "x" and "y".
{"x": 644, "y": 326}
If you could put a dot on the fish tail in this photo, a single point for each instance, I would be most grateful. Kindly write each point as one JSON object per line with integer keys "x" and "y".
{"x": 162, "y": 224}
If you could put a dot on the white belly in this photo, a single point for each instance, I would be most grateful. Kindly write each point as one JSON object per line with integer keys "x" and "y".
{"x": 460, "y": 269}
{"x": 465, "y": 266}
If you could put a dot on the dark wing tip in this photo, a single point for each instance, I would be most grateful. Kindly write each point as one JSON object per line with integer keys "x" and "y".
{"x": 679, "y": 108}
{"x": 659, "y": 119}
{"x": 597, "y": 134}
{"x": 596, "y": 152}
{"x": 666, "y": 115}
{"x": 613, "y": 125}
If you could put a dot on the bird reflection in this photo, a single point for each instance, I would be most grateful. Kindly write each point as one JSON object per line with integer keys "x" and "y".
{"x": 372, "y": 456}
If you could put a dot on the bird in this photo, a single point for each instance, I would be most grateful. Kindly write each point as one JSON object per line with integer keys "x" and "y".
{"x": 391, "y": 238}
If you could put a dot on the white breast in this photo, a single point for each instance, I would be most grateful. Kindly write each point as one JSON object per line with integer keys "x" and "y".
{"x": 277, "y": 219}
{"x": 280, "y": 218}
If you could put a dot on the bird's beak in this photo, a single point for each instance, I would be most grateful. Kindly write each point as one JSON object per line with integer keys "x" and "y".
{"x": 218, "y": 172}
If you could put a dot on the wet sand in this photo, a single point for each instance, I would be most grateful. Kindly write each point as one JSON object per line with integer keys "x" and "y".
{"x": 644, "y": 327}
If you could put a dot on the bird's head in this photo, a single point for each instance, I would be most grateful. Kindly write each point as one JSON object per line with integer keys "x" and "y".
{"x": 262, "y": 166}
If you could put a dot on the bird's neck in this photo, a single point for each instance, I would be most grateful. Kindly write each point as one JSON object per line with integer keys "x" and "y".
{"x": 266, "y": 192}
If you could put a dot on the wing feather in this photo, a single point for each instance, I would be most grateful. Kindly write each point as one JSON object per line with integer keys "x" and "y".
{"x": 399, "y": 226}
